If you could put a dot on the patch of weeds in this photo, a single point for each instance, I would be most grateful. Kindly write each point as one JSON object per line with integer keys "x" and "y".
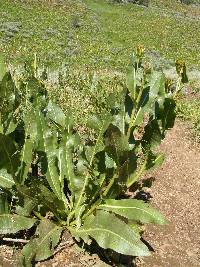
{"x": 102, "y": 33}
{"x": 9, "y": 29}
{"x": 188, "y": 109}
{"x": 85, "y": 93}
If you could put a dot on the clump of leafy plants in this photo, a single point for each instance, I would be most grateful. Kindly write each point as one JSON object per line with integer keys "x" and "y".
{"x": 10, "y": 28}
{"x": 52, "y": 180}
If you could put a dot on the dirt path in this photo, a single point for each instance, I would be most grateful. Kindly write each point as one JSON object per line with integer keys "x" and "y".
{"x": 176, "y": 192}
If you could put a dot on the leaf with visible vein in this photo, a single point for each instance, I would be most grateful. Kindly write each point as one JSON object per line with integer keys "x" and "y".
{"x": 100, "y": 126}
{"x": 12, "y": 223}
{"x": 48, "y": 144}
{"x": 6, "y": 179}
{"x": 55, "y": 113}
{"x": 38, "y": 194}
{"x": 111, "y": 232}
{"x": 9, "y": 156}
{"x": 4, "y": 203}
{"x": 135, "y": 210}
{"x": 42, "y": 247}
{"x": 116, "y": 144}
{"x": 29, "y": 144}
{"x": 2, "y": 67}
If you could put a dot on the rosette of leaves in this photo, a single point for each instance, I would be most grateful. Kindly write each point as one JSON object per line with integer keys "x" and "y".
{"x": 52, "y": 180}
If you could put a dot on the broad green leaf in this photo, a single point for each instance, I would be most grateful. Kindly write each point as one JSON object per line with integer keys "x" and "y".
{"x": 157, "y": 85}
{"x": 154, "y": 161}
{"x": 2, "y": 67}
{"x": 152, "y": 136}
{"x": 10, "y": 124}
{"x": 4, "y": 204}
{"x": 28, "y": 254}
{"x": 99, "y": 125}
{"x": 116, "y": 144}
{"x": 6, "y": 179}
{"x": 66, "y": 166}
{"x": 122, "y": 115}
{"x": 1, "y": 125}
{"x": 49, "y": 146}
{"x": 7, "y": 94}
{"x": 26, "y": 208}
{"x": 49, "y": 236}
{"x": 169, "y": 114}
{"x": 38, "y": 194}
{"x": 55, "y": 113}
{"x": 135, "y": 210}
{"x": 154, "y": 93}
{"x": 12, "y": 223}
{"x": 111, "y": 232}
{"x": 41, "y": 248}
{"x": 26, "y": 156}
{"x": 131, "y": 78}
{"x": 9, "y": 155}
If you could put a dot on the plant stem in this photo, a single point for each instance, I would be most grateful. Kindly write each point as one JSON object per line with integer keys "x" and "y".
{"x": 109, "y": 185}
{"x": 70, "y": 216}
{"x": 37, "y": 214}
{"x": 8, "y": 239}
{"x": 178, "y": 86}
{"x": 92, "y": 209}
{"x": 63, "y": 246}
{"x": 134, "y": 113}
{"x": 134, "y": 89}
{"x": 130, "y": 125}
{"x": 98, "y": 191}
{"x": 82, "y": 191}
{"x": 137, "y": 175}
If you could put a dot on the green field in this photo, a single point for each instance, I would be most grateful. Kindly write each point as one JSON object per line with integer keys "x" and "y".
{"x": 94, "y": 35}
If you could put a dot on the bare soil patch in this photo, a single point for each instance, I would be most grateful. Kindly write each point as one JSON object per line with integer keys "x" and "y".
{"x": 176, "y": 192}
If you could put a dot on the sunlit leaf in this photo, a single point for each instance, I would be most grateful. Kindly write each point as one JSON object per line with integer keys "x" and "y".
{"x": 12, "y": 223}
{"x": 49, "y": 146}
{"x": 9, "y": 156}
{"x": 55, "y": 113}
{"x": 41, "y": 248}
{"x": 2, "y": 67}
{"x": 6, "y": 179}
{"x": 29, "y": 143}
{"x": 106, "y": 229}
{"x": 135, "y": 210}
{"x": 4, "y": 203}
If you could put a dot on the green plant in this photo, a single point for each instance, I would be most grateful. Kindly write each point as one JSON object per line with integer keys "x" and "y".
{"x": 52, "y": 180}
{"x": 188, "y": 109}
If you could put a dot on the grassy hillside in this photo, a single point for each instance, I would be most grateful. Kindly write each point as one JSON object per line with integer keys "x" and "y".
{"x": 96, "y": 33}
